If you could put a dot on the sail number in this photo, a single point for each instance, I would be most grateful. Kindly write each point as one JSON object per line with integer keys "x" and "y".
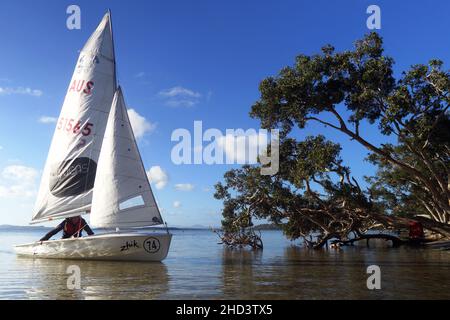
{"x": 74, "y": 126}
{"x": 151, "y": 245}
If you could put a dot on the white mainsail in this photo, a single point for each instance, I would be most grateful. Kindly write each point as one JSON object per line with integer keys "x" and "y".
{"x": 122, "y": 193}
{"x": 69, "y": 174}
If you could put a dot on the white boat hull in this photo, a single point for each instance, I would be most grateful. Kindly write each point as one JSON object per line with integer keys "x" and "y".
{"x": 108, "y": 246}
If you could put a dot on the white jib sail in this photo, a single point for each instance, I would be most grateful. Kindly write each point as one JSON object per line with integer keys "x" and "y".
{"x": 69, "y": 173}
{"x": 122, "y": 193}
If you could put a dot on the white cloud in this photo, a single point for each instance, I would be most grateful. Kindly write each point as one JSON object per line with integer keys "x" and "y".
{"x": 139, "y": 74}
{"x": 139, "y": 124}
{"x": 21, "y": 91}
{"x": 19, "y": 172}
{"x": 47, "y": 119}
{"x": 184, "y": 187}
{"x": 1, "y": 148}
{"x": 18, "y": 181}
{"x": 157, "y": 176}
{"x": 180, "y": 91}
{"x": 176, "y": 204}
{"x": 180, "y": 97}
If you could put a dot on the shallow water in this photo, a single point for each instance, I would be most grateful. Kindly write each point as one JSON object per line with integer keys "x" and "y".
{"x": 198, "y": 268}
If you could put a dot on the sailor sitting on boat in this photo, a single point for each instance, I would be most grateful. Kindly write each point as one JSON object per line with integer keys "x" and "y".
{"x": 72, "y": 227}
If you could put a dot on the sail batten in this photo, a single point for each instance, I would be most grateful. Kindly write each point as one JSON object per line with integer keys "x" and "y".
{"x": 121, "y": 177}
{"x": 70, "y": 170}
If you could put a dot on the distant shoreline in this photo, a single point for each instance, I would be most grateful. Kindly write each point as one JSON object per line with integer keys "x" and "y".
{"x": 7, "y": 227}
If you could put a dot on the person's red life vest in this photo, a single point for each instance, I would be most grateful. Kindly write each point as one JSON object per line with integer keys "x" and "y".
{"x": 71, "y": 229}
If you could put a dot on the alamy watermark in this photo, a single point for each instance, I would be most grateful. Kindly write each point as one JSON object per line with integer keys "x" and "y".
{"x": 236, "y": 146}
{"x": 73, "y": 21}
{"x": 374, "y": 20}
{"x": 74, "y": 280}
{"x": 374, "y": 280}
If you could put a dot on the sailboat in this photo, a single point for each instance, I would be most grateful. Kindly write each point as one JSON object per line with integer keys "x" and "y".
{"x": 94, "y": 167}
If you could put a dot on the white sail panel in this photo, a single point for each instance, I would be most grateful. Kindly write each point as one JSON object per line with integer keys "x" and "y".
{"x": 69, "y": 173}
{"x": 122, "y": 193}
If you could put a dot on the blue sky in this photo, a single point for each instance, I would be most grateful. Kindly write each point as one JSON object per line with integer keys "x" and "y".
{"x": 208, "y": 56}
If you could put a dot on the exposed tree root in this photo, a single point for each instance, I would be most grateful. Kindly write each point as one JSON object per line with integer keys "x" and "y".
{"x": 243, "y": 238}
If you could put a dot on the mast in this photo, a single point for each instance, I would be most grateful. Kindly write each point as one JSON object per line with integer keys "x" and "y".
{"x": 113, "y": 49}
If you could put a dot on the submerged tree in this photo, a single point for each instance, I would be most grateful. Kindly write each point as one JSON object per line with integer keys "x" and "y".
{"x": 313, "y": 191}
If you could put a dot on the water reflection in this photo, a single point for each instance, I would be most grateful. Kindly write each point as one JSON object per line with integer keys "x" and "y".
{"x": 406, "y": 273}
{"x": 238, "y": 267}
{"x": 335, "y": 274}
{"x": 198, "y": 268}
{"x": 328, "y": 274}
{"x": 105, "y": 280}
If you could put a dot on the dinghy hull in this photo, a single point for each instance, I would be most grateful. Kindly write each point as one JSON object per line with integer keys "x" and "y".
{"x": 111, "y": 246}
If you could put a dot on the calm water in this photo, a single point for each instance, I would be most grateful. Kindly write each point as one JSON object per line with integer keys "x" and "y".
{"x": 198, "y": 268}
